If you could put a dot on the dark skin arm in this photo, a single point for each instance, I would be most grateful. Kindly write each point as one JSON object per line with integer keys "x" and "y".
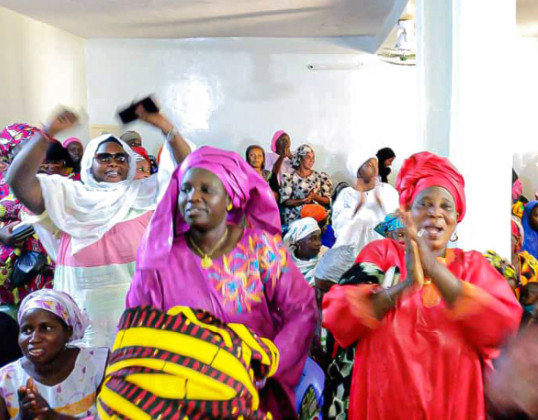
{"x": 178, "y": 144}
{"x": 321, "y": 200}
{"x": 293, "y": 202}
{"x": 22, "y": 174}
{"x": 283, "y": 152}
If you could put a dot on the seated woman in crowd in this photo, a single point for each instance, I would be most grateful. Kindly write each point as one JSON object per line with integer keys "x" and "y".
{"x": 321, "y": 215}
{"x": 525, "y": 275}
{"x": 530, "y": 226}
{"x": 359, "y": 209}
{"x": 54, "y": 379}
{"x": 304, "y": 185}
{"x": 385, "y": 158}
{"x": 393, "y": 228}
{"x": 12, "y": 138}
{"x": 143, "y": 164}
{"x": 14, "y": 283}
{"x": 100, "y": 220}
{"x": 255, "y": 157}
{"x": 279, "y": 159}
{"x": 435, "y": 331}
{"x": 57, "y": 161}
{"x": 303, "y": 240}
{"x": 214, "y": 244}
{"x": 76, "y": 149}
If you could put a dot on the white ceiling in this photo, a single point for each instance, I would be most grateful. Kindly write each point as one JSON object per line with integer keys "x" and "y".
{"x": 214, "y": 18}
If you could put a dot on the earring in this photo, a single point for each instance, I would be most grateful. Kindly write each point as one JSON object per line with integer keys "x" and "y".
{"x": 454, "y": 237}
{"x": 230, "y": 207}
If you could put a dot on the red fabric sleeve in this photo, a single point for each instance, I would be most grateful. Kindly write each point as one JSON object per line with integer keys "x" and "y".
{"x": 487, "y": 312}
{"x": 384, "y": 253}
{"x": 348, "y": 312}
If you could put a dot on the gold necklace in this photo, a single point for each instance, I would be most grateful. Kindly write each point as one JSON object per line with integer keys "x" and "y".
{"x": 207, "y": 262}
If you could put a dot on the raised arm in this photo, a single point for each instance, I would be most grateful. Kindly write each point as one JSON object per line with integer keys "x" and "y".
{"x": 179, "y": 145}
{"x": 22, "y": 174}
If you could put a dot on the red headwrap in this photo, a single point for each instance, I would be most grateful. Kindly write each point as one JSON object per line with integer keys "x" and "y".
{"x": 142, "y": 152}
{"x": 424, "y": 170}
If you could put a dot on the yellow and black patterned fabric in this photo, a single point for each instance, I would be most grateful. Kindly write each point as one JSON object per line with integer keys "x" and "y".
{"x": 184, "y": 364}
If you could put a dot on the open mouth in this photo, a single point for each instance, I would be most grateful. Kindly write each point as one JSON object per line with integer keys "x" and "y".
{"x": 36, "y": 352}
{"x": 112, "y": 174}
{"x": 433, "y": 232}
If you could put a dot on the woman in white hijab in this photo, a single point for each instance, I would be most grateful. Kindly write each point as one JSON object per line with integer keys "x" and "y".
{"x": 304, "y": 244}
{"x": 359, "y": 209}
{"x": 99, "y": 222}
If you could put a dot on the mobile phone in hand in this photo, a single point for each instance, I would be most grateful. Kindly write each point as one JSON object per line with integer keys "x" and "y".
{"x": 128, "y": 114}
{"x": 22, "y": 231}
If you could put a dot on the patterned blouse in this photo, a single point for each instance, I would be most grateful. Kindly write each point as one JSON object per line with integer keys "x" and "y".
{"x": 296, "y": 187}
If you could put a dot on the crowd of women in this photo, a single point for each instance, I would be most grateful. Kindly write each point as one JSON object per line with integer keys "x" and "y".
{"x": 203, "y": 285}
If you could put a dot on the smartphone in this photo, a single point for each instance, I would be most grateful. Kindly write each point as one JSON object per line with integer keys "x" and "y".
{"x": 22, "y": 231}
{"x": 128, "y": 114}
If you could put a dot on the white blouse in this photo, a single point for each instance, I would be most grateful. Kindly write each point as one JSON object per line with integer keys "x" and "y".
{"x": 357, "y": 229}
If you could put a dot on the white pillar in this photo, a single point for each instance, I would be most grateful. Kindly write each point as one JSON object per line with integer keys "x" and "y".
{"x": 464, "y": 67}
{"x": 484, "y": 34}
{"x": 434, "y": 70}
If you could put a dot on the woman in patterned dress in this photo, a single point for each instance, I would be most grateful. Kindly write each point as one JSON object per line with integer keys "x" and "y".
{"x": 304, "y": 185}
{"x": 214, "y": 244}
{"x": 12, "y": 139}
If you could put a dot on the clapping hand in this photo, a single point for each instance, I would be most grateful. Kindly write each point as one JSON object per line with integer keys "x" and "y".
{"x": 32, "y": 405}
{"x": 414, "y": 250}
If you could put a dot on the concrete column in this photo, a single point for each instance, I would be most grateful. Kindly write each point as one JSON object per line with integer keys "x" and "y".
{"x": 465, "y": 75}
{"x": 434, "y": 70}
{"x": 484, "y": 33}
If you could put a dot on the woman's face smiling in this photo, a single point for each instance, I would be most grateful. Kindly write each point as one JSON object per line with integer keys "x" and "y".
{"x": 110, "y": 163}
{"x": 434, "y": 212}
{"x": 43, "y": 336}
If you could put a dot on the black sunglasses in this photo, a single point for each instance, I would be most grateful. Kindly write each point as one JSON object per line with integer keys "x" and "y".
{"x": 107, "y": 157}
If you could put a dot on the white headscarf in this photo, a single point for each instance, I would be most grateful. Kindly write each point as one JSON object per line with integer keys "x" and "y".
{"x": 60, "y": 304}
{"x": 86, "y": 211}
{"x": 358, "y": 158}
{"x": 300, "y": 229}
{"x": 335, "y": 262}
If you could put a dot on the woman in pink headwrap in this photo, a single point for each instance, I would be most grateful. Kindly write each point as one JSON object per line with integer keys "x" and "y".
{"x": 278, "y": 161}
{"x": 214, "y": 244}
{"x": 425, "y": 338}
{"x": 76, "y": 149}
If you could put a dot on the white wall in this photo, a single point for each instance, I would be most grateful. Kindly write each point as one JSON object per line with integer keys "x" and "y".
{"x": 234, "y": 92}
{"x": 41, "y": 67}
{"x": 525, "y": 133}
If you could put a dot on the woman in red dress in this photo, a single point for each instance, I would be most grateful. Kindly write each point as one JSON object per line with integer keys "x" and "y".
{"x": 424, "y": 343}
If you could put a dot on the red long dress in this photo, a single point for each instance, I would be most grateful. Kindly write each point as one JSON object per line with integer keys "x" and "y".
{"x": 423, "y": 360}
